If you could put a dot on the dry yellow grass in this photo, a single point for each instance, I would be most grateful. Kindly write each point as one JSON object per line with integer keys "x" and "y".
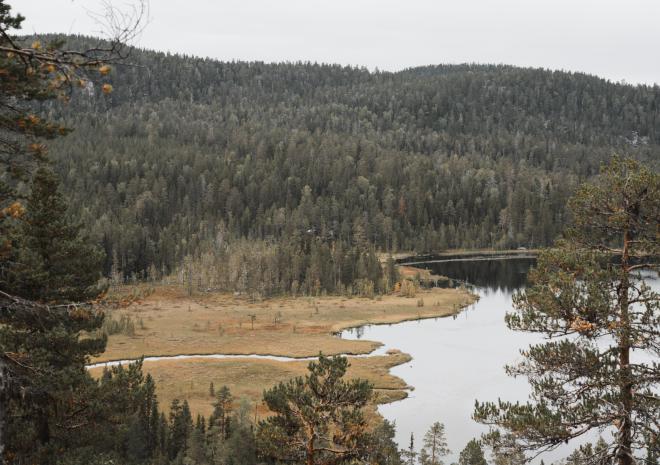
{"x": 247, "y": 378}
{"x": 297, "y": 327}
{"x": 174, "y": 323}
{"x": 424, "y": 275}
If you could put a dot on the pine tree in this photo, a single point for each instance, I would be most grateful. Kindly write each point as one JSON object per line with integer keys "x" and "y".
{"x": 317, "y": 419}
{"x": 103, "y": 423}
{"x": 148, "y": 414}
{"x": 509, "y": 456}
{"x": 391, "y": 274}
{"x": 590, "y": 454}
{"x": 195, "y": 450}
{"x": 163, "y": 436}
{"x": 37, "y": 71}
{"x": 200, "y": 424}
{"x": 435, "y": 445}
{"x": 589, "y": 288}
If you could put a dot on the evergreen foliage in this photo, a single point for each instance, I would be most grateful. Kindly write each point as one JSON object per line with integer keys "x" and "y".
{"x": 51, "y": 260}
{"x": 220, "y": 420}
{"x": 46, "y": 395}
{"x": 286, "y": 154}
{"x": 588, "y": 297}
{"x": 410, "y": 454}
{"x": 435, "y": 445}
{"x": 472, "y": 454}
{"x": 318, "y": 419}
{"x": 383, "y": 448}
{"x": 588, "y": 453}
{"x": 290, "y": 178}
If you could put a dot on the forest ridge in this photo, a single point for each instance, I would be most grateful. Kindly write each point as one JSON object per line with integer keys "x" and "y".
{"x": 186, "y": 150}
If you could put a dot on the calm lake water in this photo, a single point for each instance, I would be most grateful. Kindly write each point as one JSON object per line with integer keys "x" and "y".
{"x": 459, "y": 359}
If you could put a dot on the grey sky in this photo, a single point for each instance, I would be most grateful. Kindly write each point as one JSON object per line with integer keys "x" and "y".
{"x": 613, "y": 39}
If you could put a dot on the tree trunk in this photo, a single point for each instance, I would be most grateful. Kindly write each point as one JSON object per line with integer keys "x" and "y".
{"x": 433, "y": 450}
{"x": 309, "y": 460}
{"x": 4, "y": 385}
{"x": 624, "y": 452}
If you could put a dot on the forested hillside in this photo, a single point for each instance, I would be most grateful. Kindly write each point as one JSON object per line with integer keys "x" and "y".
{"x": 186, "y": 155}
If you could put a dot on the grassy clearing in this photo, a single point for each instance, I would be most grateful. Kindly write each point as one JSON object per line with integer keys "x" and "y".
{"x": 424, "y": 275}
{"x": 168, "y": 322}
{"x": 165, "y": 321}
{"x": 190, "y": 379}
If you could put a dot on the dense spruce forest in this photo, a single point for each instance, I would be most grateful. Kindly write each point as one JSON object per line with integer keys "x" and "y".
{"x": 299, "y": 173}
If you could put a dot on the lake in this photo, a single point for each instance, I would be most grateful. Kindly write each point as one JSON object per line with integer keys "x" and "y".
{"x": 459, "y": 359}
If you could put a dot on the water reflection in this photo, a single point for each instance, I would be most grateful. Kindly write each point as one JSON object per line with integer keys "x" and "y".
{"x": 505, "y": 275}
{"x": 457, "y": 360}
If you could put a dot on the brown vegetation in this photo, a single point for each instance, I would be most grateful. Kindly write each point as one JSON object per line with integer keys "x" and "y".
{"x": 165, "y": 321}
{"x": 168, "y": 322}
{"x": 248, "y": 378}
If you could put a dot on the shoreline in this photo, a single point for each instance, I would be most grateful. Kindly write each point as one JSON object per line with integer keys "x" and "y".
{"x": 286, "y": 358}
{"x": 187, "y": 375}
{"x": 308, "y": 327}
{"x": 458, "y": 255}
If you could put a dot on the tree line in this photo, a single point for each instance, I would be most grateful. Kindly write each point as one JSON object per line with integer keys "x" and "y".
{"x": 316, "y": 419}
{"x": 422, "y": 160}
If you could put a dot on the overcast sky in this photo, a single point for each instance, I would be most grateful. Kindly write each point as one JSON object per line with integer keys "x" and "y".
{"x": 615, "y": 39}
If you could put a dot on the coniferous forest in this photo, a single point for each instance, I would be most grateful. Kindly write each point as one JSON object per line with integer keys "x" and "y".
{"x": 320, "y": 166}
{"x": 166, "y": 220}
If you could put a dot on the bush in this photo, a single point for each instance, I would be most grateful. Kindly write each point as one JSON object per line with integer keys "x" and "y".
{"x": 124, "y": 325}
{"x": 408, "y": 288}
{"x": 365, "y": 288}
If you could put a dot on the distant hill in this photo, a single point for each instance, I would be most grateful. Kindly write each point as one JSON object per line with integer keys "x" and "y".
{"x": 426, "y": 159}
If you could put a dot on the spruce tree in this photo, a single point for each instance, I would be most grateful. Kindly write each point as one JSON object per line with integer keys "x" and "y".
{"x": 180, "y": 429}
{"x": 38, "y": 71}
{"x": 589, "y": 453}
{"x": 240, "y": 448}
{"x": 46, "y": 389}
{"x": 383, "y": 448}
{"x": 410, "y": 455}
{"x": 472, "y": 454}
{"x": 220, "y": 420}
{"x": 54, "y": 262}
{"x": 588, "y": 298}
{"x": 195, "y": 450}
{"x": 42, "y": 355}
